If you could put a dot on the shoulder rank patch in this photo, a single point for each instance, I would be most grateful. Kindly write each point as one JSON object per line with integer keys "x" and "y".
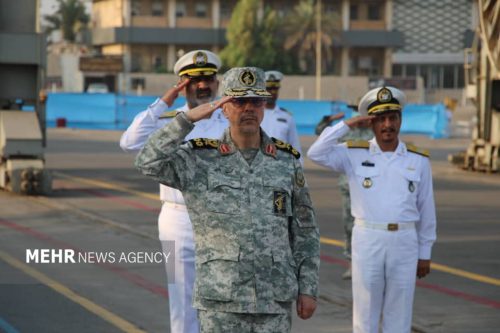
{"x": 286, "y": 147}
{"x": 168, "y": 114}
{"x": 358, "y": 144}
{"x": 204, "y": 143}
{"x": 414, "y": 149}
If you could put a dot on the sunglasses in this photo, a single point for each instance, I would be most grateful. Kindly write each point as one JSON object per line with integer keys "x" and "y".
{"x": 198, "y": 79}
{"x": 257, "y": 102}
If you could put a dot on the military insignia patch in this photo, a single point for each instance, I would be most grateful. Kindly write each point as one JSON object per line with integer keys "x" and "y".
{"x": 247, "y": 78}
{"x": 271, "y": 150}
{"x": 279, "y": 202}
{"x": 224, "y": 149}
{"x": 200, "y": 59}
{"x": 204, "y": 143}
{"x": 384, "y": 95}
{"x": 168, "y": 114}
{"x": 299, "y": 178}
{"x": 286, "y": 147}
{"x": 358, "y": 144}
{"x": 414, "y": 149}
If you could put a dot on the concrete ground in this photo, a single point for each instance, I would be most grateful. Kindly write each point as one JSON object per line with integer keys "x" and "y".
{"x": 101, "y": 204}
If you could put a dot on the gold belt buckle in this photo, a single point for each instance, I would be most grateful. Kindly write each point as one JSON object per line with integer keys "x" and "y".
{"x": 392, "y": 227}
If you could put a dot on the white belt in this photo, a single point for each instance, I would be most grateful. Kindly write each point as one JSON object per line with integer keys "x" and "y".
{"x": 385, "y": 226}
{"x": 174, "y": 205}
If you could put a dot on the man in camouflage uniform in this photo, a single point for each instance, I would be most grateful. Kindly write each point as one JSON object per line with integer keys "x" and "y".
{"x": 257, "y": 242}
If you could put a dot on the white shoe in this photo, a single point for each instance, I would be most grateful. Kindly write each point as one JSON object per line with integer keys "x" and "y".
{"x": 347, "y": 274}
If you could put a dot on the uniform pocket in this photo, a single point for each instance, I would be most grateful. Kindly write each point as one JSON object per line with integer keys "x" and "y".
{"x": 284, "y": 277}
{"x": 217, "y": 271}
{"x": 412, "y": 181}
{"x": 224, "y": 193}
{"x": 367, "y": 177}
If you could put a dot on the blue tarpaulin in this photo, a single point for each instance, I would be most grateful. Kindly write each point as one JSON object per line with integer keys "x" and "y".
{"x": 110, "y": 111}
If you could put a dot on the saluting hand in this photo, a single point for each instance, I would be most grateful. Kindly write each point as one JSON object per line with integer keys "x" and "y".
{"x": 172, "y": 93}
{"x": 423, "y": 268}
{"x": 306, "y": 305}
{"x": 361, "y": 121}
{"x": 205, "y": 110}
{"x": 336, "y": 116}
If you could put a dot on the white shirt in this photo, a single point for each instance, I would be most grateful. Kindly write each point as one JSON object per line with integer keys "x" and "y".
{"x": 400, "y": 184}
{"x": 147, "y": 122}
{"x": 281, "y": 125}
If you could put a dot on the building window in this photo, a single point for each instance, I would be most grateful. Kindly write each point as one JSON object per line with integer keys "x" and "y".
{"x": 330, "y": 8}
{"x": 449, "y": 76}
{"x": 226, "y": 8}
{"x": 138, "y": 82}
{"x": 201, "y": 9}
{"x": 397, "y": 70}
{"x": 434, "y": 78}
{"x": 374, "y": 12}
{"x": 460, "y": 78}
{"x": 180, "y": 9}
{"x": 157, "y": 8}
{"x": 411, "y": 70}
{"x": 135, "y": 8}
{"x": 353, "y": 12}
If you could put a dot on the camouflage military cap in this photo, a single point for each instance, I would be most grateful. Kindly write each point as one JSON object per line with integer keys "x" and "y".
{"x": 243, "y": 82}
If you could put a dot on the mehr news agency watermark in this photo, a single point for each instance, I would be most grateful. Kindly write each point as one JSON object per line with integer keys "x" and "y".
{"x": 72, "y": 256}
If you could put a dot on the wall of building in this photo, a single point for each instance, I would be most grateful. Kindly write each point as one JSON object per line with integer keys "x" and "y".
{"x": 106, "y": 14}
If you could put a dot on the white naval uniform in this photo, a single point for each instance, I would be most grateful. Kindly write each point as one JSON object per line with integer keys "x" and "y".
{"x": 173, "y": 222}
{"x": 280, "y": 124}
{"x": 397, "y": 189}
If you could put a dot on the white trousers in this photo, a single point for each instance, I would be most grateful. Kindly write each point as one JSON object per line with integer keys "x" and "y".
{"x": 384, "y": 266}
{"x": 174, "y": 225}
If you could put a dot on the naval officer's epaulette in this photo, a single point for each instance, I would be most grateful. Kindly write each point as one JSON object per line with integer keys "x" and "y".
{"x": 414, "y": 149}
{"x": 286, "y": 147}
{"x": 204, "y": 143}
{"x": 358, "y": 144}
{"x": 285, "y": 110}
{"x": 168, "y": 114}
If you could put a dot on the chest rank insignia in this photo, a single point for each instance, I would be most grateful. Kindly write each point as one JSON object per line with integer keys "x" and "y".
{"x": 286, "y": 147}
{"x": 411, "y": 187}
{"x": 279, "y": 202}
{"x": 168, "y": 114}
{"x": 367, "y": 183}
{"x": 204, "y": 143}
